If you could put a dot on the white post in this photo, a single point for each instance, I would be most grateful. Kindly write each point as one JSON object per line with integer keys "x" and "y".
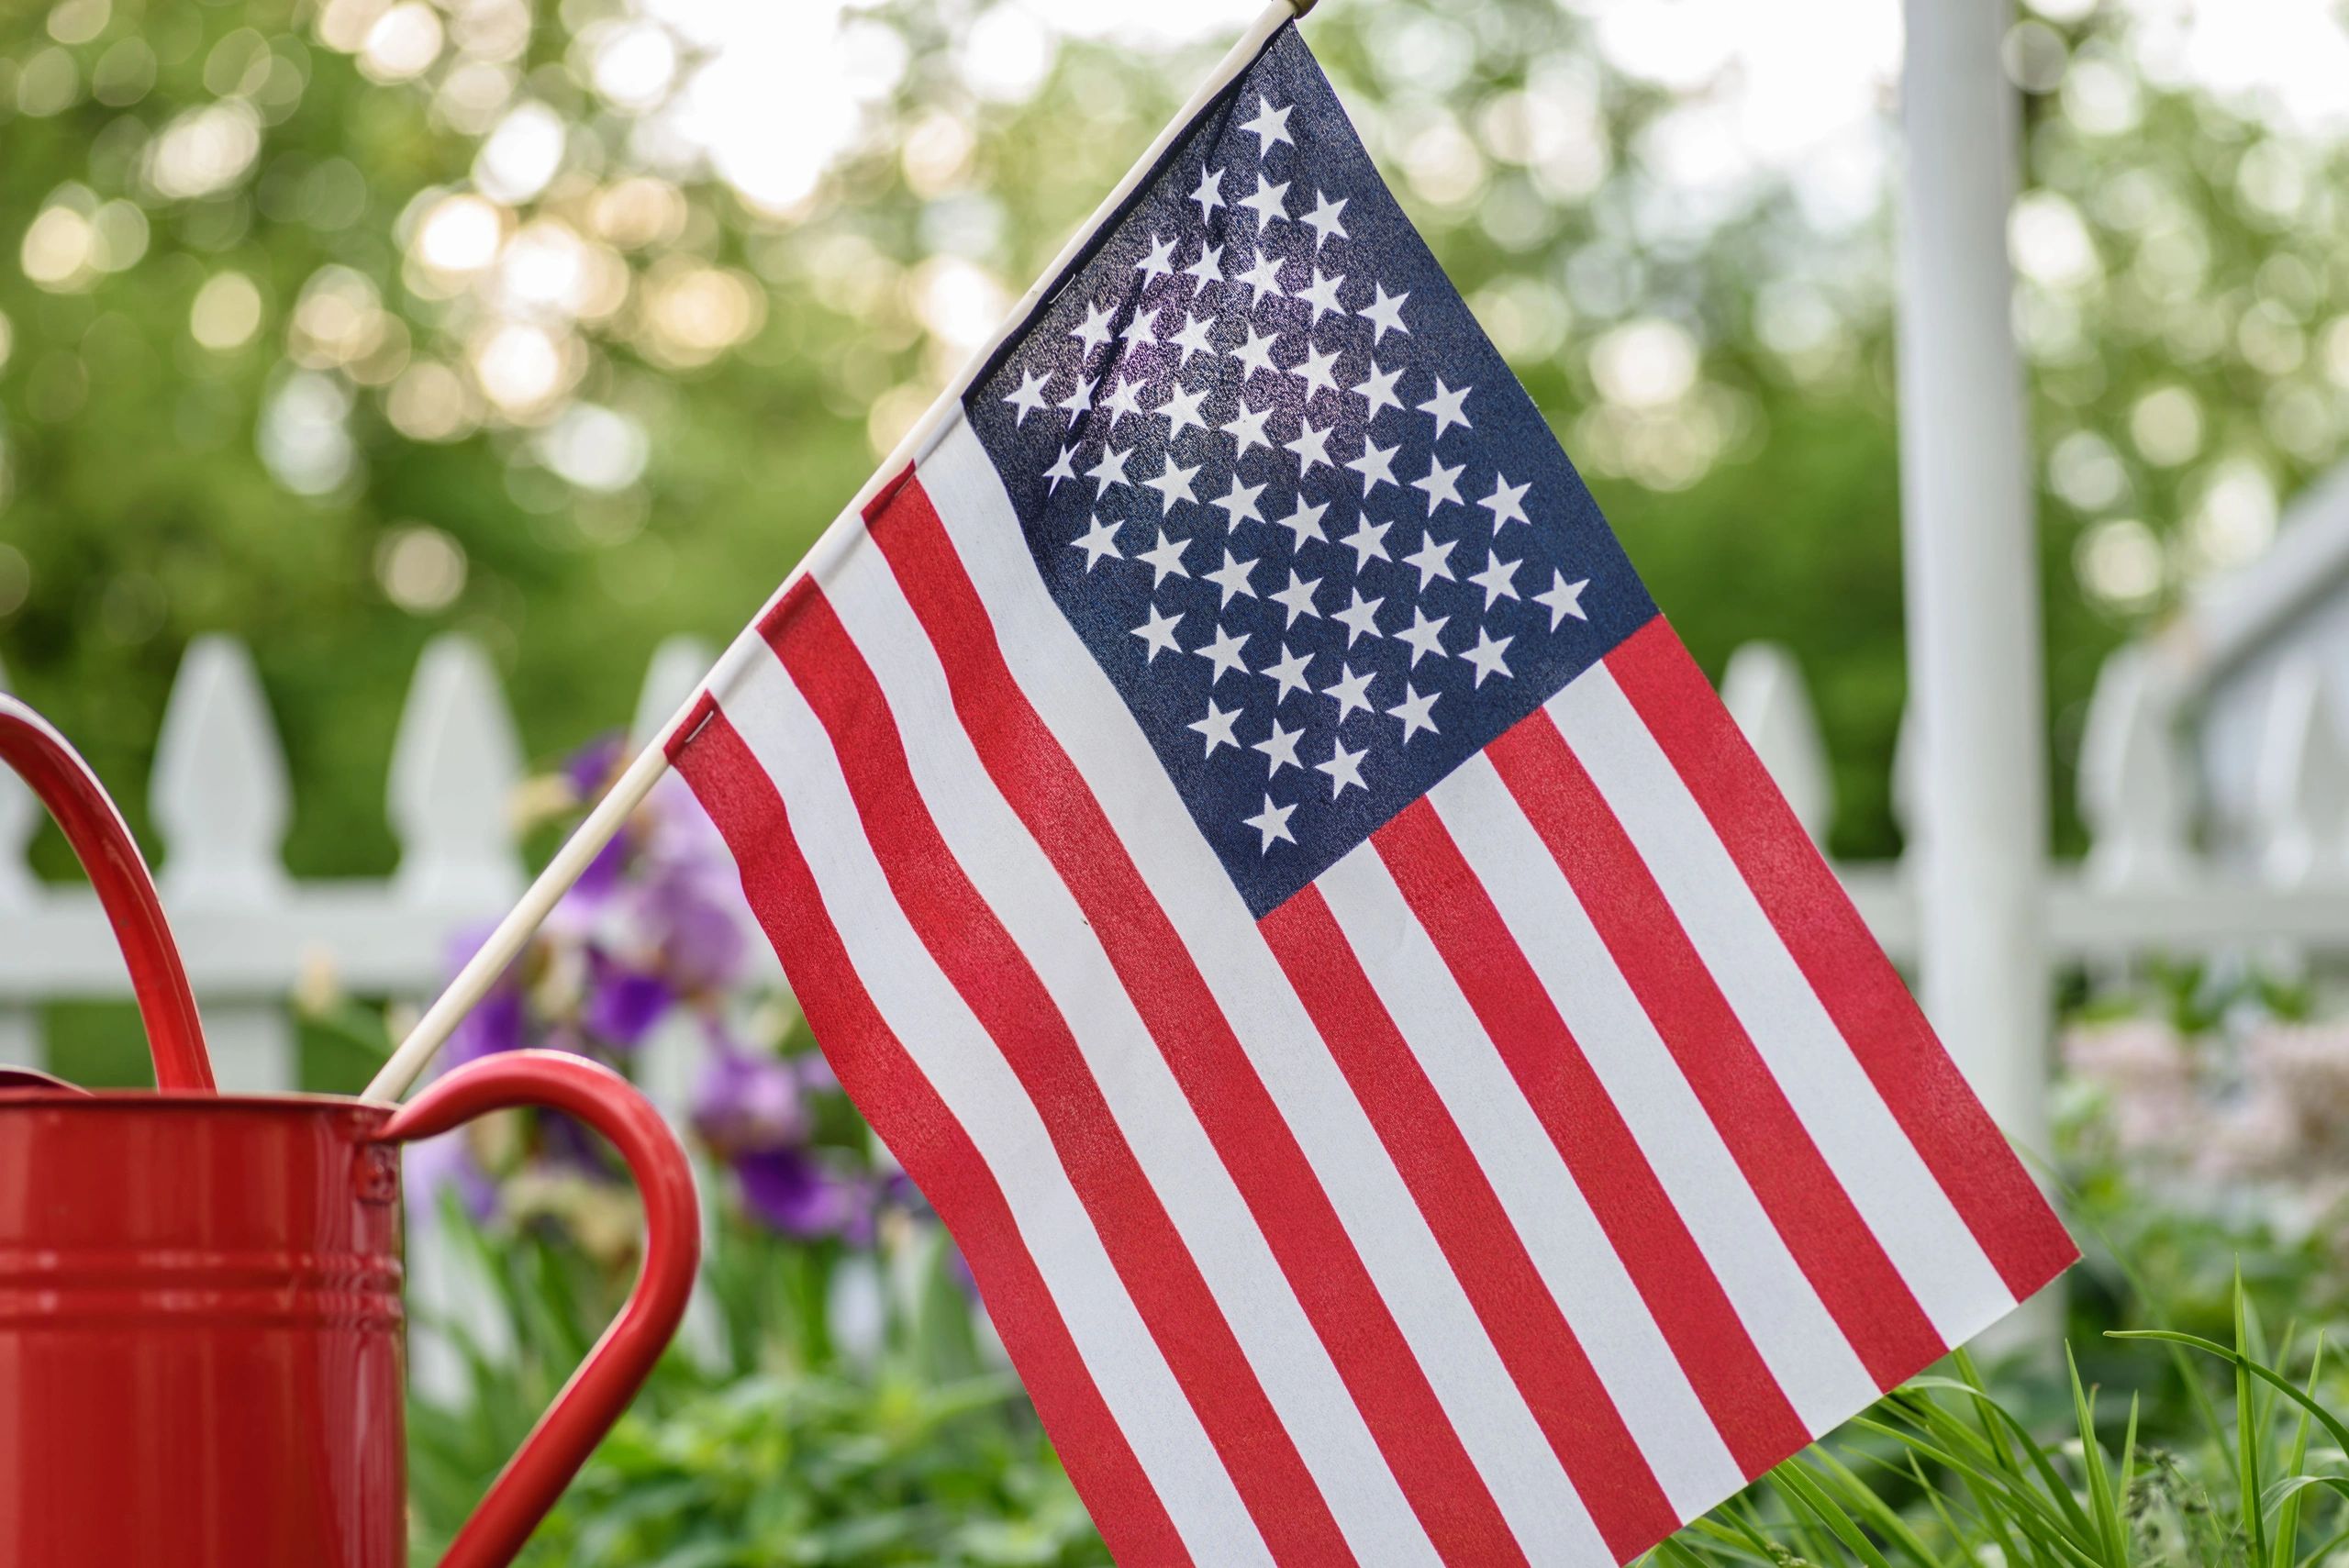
{"x": 1971, "y": 569}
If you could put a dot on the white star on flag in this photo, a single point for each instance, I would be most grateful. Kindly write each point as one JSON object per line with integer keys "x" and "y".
{"x": 1385, "y": 312}
{"x": 1322, "y": 295}
{"x": 1442, "y": 483}
{"x": 1487, "y": 654}
{"x": 1165, "y": 558}
{"x": 1209, "y": 196}
{"x": 1029, "y": 396}
{"x": 1352, "y": 691}
{"x": 1094, "y": 329}
{"x": 1273, "y": 823}
{"x": 1368, "y": 541}
{"x": 1173, "y": 485}
{"x": 1158, "y": 634}
{"x": 1312, "y": 450}
{"x": 1217, "y": 726}
{"x": 1450, "y": 407}
{"x": 1100, "y": 539}
{"x": 1158, "y": 263}
{"x": 1256, "y": 353}
{"x": 1360, "y": 618}
{"x": 1287, "y": 675}
{"x": 1414, "y": 710}
{"x": 1182, "y": 408}
{"x": 1233, "y": 577}
{"x": 1280, "y": 746}
{"x": 1425, "y": 637}
{"x": 1297, "y": 597}
{"x": 1239, "y": 502}
{"x": 1303, "y": 522}
{"x": 1323, "y": 220}
{"x": 1498, "y": 579}
{"x": 1270, "y": 202}
{"x": 1564, "y": 598}
{"x": 1110, "y": 470}
{"x": 1270, "y": 127}
{"x": 1507, "y": 503}
{"x": 1377, "y": 466}
{"x": 1379, "y": 390}
{"x": 1264, "y": 274}
{"x": 1344, "y": 769}
{"x": 1224, "y": 652}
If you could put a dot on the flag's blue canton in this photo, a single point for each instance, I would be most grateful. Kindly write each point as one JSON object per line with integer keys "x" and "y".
{"x": 1289, "y": 494}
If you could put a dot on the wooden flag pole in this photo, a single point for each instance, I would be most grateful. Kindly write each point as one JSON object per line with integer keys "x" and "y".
{"x": 628, "y": 791}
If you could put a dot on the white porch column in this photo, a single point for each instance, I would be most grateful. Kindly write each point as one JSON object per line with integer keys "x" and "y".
{"x": 1971, "y": 568}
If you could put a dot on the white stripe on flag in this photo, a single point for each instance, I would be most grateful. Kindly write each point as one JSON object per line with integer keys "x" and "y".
{"x": 1807, "y": 1354}
{"x": 1019, "y": 883}
{"x": 1058, "y": 674}
{"x": 1878, "y": 1167}
{"x": 1545, "y": 1205}
{"x": 954, "y": 1052}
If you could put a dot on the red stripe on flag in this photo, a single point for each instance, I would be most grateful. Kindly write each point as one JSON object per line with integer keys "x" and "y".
{"x": 1511, "y": 1298}
{"x": 1838, "y": 1254}
{"x": 1686, "y": 1301}
{"x": 1278, "y": 1184}
{"x": 937, "y": 1154}
{"x": 979, "y": 957}
{"x": 1832, "y": 946}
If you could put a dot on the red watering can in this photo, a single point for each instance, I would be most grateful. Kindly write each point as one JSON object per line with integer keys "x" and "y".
{"x": 201, "y": 1356}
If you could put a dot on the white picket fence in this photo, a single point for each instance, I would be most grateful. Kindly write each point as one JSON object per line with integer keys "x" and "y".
{"x": 253, "y": 934}
{"x": 2159, "y": 879}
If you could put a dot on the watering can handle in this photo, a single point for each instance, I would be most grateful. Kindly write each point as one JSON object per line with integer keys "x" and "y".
{"x": 600, "y": 1390}
{"x": 64, "y": 783}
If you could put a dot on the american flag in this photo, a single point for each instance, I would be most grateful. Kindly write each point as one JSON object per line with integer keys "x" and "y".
{"x": 1406, "y": 1087}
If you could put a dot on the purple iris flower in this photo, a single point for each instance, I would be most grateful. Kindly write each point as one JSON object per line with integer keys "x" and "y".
{"x": 447, "y": 1163}
{"x": 500, "y": 1022}
{"x": 747, "y": 1104}
{"x": 592, "y": 766}
{"x": 694, "y": 928}
{"x": 623, "y": 1003}
{"x": 602, "y": 878}
{"x": 790, "y": 1191}
{"x": 816, "y": 1075}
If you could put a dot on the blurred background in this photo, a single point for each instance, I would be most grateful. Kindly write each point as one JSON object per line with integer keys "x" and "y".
{"x": 334, "y": 324}
{"x": 338, "y": 326}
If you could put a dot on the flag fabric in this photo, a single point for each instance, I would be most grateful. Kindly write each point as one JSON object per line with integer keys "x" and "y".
{"x": 1409, "y": 1090}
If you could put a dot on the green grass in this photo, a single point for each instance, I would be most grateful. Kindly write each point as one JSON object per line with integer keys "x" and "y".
{"x": 775, "y": 1448}
{"x": 1946, "y": 1474}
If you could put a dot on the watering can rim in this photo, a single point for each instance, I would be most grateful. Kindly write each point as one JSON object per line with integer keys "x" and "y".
{"x": 68, "y": 1094}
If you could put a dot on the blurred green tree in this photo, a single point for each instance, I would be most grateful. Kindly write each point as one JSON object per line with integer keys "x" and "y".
{"x": 338, "y": 323}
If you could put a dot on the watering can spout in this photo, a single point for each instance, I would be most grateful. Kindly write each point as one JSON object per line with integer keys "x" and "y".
{"x": 67, "y": 786}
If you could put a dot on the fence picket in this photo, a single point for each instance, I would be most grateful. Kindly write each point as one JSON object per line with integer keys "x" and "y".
{"x": 456, "y": 761}
{"x": 218, "y": 793}
{"x": 2134, "y": 792}
{"x": 221, "y": 805}
{"x": 677, "y": 667}
{"x": 2301, "y": 779}
{"x": 1762, "y": 689}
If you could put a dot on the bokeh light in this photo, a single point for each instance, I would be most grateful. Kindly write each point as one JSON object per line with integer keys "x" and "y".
{"x": 421, "y": 569}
